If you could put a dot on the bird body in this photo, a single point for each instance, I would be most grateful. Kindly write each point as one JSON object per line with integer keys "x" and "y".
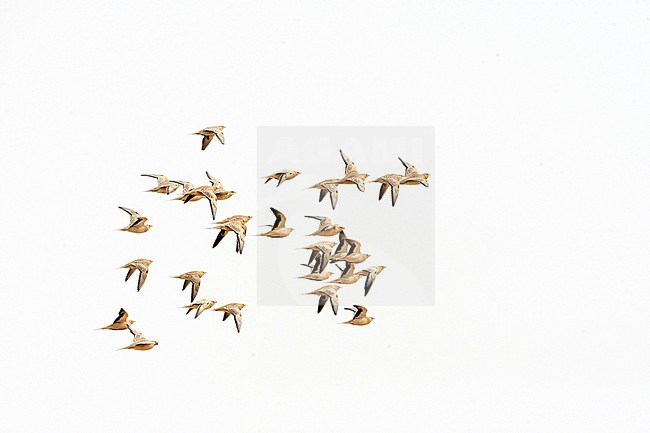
{"x": 136, "y": 222}
{"x": 328, "y": 187}
{"x": 360, "y": 318}
{"x": 199, "y": 307}
{"x": 235, "y": 224}
{"x": 140, "y": 265}
{"x": 327, "y": 293}
{"x": 140, "y": 342}
{"x": 353, "y": 255}
{"x": 352, "y": 175}
{"x": 278, "y": 230}
{"x": 371, "y": 276}
{"x": 209, "y": 133}
{"x": 193, "y": 278}
{"x": 391, "y": 181}
{"x": 234, "y": 310}
{"x": 326, "y": 227}
{"x": 121, "y": 322}
{"x": 282, "y": 176}
{"x": 412, "y": 176}
{"x": 165, "y": 186}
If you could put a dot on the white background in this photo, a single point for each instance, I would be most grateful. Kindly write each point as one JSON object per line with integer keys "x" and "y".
{"x": 400, "y": 237}
{"x": 542, "y": 293}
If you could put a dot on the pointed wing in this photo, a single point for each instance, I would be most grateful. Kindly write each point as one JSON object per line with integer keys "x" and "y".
{"x": 129, "y": 273}
{"x": 220, "y": 136}
{"x": 225, "y": 315}
{"x": 321, "y": 302}
{"x": 220, "y": 236}
{"x": 342, "y": 243}
{"x": 321, "y": 195}
{"x": 122, "y": 316}
{"x": 349, "y": 165}
{"x": 409, "y": 168}
{"x": 334, "y": 300}
{"x": 185, "y": 284}
{"x": 142, "y": 277}
{"x": 282, "y": 178}
{"x": 361, "y": 312}
{"x": 317, "y": 265}
{"x": 370, "y": 279}
{"x": 334, "y": 197}
{"x": 207, "y": 138}
{"x": 314, "y": 254}
{"x": 355, "y": 246}
{"x": 195, "y": 289}
{"x": 238, "y": 322}
{"x": 349, "y": 269}
{"x": 382, "y": 190}
{"x": 280, "y": 219}
{"x": 394, "y": 191}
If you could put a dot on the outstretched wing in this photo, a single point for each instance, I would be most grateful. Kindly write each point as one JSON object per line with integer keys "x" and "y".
{"x": 122, "y": 316}
{"x": 207, "y": 138}
{"x": 280, "y": 219}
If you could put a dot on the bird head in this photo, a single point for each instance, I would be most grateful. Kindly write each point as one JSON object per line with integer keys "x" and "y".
{"x": 130, "y": 322}
{"x": 147, "y": 227}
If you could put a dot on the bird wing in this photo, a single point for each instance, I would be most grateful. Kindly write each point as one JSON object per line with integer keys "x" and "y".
{"x": 321, "y": 302}
{"x": 129, "y": 273}
{"x": 410, "y": 168}
{"x": 281, "y": 179}
{"x": 220, "y": 236}
{"x": 349, "y": 165}
{"x": 321, "y": 195}
{"x": 207, "y": 138}
{"x": 142, "y": 277}
{"x": 238, "y": 321}
{"x": 382, "y": 190}
{"x": 220, "y": 136}
{"x": 370, "y": 279}
{"x": 394, "y": 191}
{"x": 334, "y": 300}
{"x": 334, "y": 196}
{"x": 195, "y": 289}
{"x": 355, "y": 246}
{"x": 280, "y": 219}
{"x": 361, "y": 312}
{"x": 122, "y": 316}
{"x": 213, "y": 180}
{"x": 349, "y": 269}
{"x": 225, "y": 315}
{"x": 129, "y": 211}
{"x": 342, "y": 243}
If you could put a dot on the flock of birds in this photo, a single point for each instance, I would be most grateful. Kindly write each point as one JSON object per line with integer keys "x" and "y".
{"x": 322, "y": 253}
{"x": 347, "y": 250}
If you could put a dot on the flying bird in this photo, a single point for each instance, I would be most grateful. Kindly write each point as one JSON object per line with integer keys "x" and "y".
{"x": 281, "y": 176}
{"x": 323, "y": 248}
{"x": 235, "y": 224}
{"x": 326, "y": 227}
{"x": 354, "y": 254}
{"x": 411, "y": 175}
{"x": 317, "y": 274}
{"x": 140, "y": 265}
{"x": 234, "y": 310}
{"x": 278, "y": 230}
{"x": 360, "y": 318}
{"x": 371, "y": 276}
{"x": 327, "y": 293}
{"x": 352, "y": 175}
{"x": 136, "y": 222}
{"x": 121, "y": 322}
{"x": 348, "y": 276}
{"x": 209, "y": 133}
{"x": 165, "y": 186}
{"x": 193, "y": 278}
{"x": 140, "y": 342}
{"x": 328, "y": 186}
{"x": 391, "y": 181}
{"x": 187, "y": 186}
{"x": 199, "y": 306}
